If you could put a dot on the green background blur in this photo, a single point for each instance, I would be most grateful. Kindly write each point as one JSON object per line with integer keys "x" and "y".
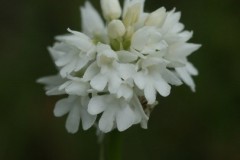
{"x": 184, "y": 126}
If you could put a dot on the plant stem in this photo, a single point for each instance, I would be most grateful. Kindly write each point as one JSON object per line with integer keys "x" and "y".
{"x": 115, "y": 143}
{"x": 101, "y": 152}
{"x": 101, "y": 138}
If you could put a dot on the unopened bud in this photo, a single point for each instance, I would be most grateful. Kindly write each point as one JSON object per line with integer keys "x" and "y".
{"x": 132, "y": 14}
{"x": 116, "y": 29}
{"x": 111, "y": 9}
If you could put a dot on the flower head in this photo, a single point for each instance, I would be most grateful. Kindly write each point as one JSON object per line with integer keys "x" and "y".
{"x": 115, "y": 70}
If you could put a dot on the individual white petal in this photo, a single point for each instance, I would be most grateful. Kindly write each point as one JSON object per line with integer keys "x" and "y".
{"x": 78, "y": 88}
{"x": 78, "y": 40}
{"x": 156, "y": 18}
{"x": 91, "y": 71}
{"x": 178, "y": 27}
{"x": 125, "y": 118}
{"x": 63, "y": 48}
{"x": 87, "y": 119}
{"x": 126, "y": 70}
{"x": 185, "y": 76}
{"x": 61, "y": 53}
{"x": 62, "y": 107}
{"x": 54, "y": 92}
{"x": 191, "y": 69}
{"x": 67, "y": 69}
{"x": 150, "y": 93}
{"x": 64, "y": 85}
{"x": 188, "y": 48}
{"x": 81, "y": 62}
{"x": 179, "y": 50}
{"x": 185, "y": 35}
{"x": 150, "y": 61}
{"x": 64, "y": 60}
{"x": 99, "y": 82}
{"x": 61, "y": 38}
{"x": 170, "y": 77}
{"x": 51, "y": 81}
{"x": 114, "y": 82}
{"x": 140, "y": 80}
{"x": 170, "y": 21}
{"x": 79, "y": 34}
{"x": 174, "y": 64}
{"x": 126, "y": 56}
{"x": 162, "y": 87}
{"x": 148, "y": 40}
{"x": 139, "y": 38}
{"x": 106, "y": 122}
{"x": 97, "y": 104}
{"x": 92, "y": 23}
{"x": 73, "y": 119}
{"x": 58, "y": 50}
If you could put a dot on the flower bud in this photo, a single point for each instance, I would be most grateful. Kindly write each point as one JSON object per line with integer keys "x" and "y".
{"x": 111, "y": 9}
{"x": 116, "y": 29}
{"x": 156, "y": 18}
{"x": 132, "y": 14}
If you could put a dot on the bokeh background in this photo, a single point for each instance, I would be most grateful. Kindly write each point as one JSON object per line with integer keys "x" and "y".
{"x": 184, "y": 126}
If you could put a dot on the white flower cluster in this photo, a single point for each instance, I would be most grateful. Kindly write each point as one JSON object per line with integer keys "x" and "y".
{"x": 114, "y": 70}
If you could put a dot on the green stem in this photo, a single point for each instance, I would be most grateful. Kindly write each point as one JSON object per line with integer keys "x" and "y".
{"x": 101, "y": 153}
{"x": 101, "y": 137}
{"x": 115, "y": 143}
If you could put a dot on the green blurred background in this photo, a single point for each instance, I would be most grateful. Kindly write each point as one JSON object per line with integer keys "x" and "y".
{"x": 184, "y": 126}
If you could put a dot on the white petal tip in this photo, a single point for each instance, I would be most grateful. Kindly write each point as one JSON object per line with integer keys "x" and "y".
{"x": 72, "y": 131}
